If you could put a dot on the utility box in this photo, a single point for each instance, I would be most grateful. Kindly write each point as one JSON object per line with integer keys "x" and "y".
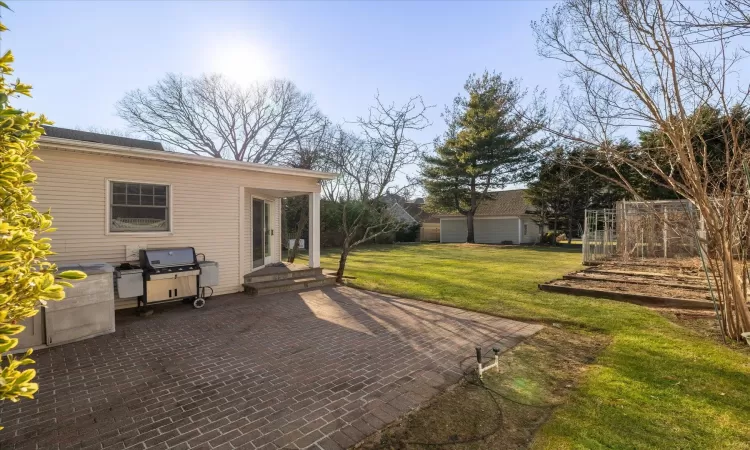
{"x": 88, "y": 309}
{"x": 129, "y": 283}
{"x": 209, "y": 275}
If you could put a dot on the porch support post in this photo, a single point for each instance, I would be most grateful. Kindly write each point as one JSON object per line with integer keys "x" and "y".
{"x": 314, "y": 230}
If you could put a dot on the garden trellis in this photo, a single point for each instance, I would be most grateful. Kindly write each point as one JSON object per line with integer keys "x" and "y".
{"x": 641, "y": 229}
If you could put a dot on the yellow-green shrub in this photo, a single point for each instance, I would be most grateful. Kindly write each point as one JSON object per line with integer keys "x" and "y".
{"x": 27, "y": 279}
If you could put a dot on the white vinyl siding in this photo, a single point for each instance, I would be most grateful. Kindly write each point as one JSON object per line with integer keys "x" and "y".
{"x": 532, "y": 232}
{"x": 453, "y": 230}
{"x": 205, "y": 207}
{"x": 495, "y": 231}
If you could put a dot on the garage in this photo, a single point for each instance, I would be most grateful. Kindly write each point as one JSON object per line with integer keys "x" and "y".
{"x": 453, "y": 230}
{"x": 495, "y": 231}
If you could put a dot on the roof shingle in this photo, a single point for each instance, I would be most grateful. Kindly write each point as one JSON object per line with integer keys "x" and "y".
{"x": 87, "y": 136}
{"x": 503, "y": 203}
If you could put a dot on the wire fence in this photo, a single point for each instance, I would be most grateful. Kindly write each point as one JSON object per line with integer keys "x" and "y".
{"x": 639, "y": 230}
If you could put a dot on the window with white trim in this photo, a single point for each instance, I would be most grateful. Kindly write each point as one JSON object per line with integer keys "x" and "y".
{"x": 138, "y": 207}
{"x": 525, "y": 229}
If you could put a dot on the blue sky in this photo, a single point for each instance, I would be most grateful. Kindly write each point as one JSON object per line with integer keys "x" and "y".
{"x": 81, "y": 57}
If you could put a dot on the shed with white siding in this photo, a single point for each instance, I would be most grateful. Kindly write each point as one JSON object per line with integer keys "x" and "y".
{"x": 506, "y": 217}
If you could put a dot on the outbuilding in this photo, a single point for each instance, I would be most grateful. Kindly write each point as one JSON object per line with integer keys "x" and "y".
{"x": 506, "y": 217}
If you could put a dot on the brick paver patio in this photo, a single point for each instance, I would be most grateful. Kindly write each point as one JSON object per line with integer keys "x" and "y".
{"x": 316, "y": 369}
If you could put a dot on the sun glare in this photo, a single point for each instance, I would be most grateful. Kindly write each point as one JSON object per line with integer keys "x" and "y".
{"x": 241, "y": 62}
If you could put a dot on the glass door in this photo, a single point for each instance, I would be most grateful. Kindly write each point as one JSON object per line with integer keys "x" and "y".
{"x": 267, "y": 232}
{"x": 262, "y": 232}
{"x": 258, "y": 233}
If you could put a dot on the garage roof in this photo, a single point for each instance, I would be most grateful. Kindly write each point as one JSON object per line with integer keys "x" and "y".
{"x": 503, "y": 203}
{"x": 100, "y": 138}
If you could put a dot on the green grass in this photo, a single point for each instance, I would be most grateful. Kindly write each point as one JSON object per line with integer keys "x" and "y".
{"x": 657, "y": 384}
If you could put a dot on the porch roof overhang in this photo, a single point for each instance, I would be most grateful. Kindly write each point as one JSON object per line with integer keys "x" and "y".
{"x": 178, "y": 158}
{"x": 276, "y": 193}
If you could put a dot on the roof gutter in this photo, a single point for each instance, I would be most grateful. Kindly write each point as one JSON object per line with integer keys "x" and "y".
{"x": 174, "y": 157}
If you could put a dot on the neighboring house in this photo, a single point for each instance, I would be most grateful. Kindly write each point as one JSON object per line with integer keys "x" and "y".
{"x": 429, "y": 230}
{"x": 505, "y": 217}
{"x": 398, "y": 211}
{"x": 110, "y": 196}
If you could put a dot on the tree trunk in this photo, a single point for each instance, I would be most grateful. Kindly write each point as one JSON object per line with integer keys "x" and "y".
{"x": 570, "y": 226}
{"x": 342, "y": 263}
{"x": 470, "y": 227}
{"x": 300, "y": 227}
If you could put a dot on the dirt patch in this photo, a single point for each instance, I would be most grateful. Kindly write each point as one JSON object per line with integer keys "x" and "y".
{"x": 508, "y": 406}
{"x": 635, "y": 279}
{"x": 687, "y": 265}
{"x": 654, "y": 290}
{"x": 704, "y": 324}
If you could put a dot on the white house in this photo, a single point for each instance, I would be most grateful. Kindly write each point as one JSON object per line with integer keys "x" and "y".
{"x": 112, "y": 196}
{"x": 505, "y": 217}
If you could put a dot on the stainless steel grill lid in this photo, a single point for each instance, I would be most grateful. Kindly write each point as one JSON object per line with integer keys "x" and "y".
{"x": 167, "y": 257}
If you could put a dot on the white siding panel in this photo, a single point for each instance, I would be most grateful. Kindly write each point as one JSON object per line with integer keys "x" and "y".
{"x": 453, "y": 230}
{"x": 248, "y": 231}
{"x": 495, "y": 231}
{"x": 205, "y": 207}
{"x": 532, "y": 232}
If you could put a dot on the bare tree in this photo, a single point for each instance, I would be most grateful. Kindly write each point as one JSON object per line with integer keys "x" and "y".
{"x": 110, "y": 132}
{"x": 211, "y": 116}
{"x": 368, "y": 165}
{"x": 307, "y": 152}
{"x": 632, "y": 63}
{"x": 726, "y": 18}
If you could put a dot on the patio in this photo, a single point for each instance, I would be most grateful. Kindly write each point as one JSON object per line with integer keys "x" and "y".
{"x": 320, "y": 368}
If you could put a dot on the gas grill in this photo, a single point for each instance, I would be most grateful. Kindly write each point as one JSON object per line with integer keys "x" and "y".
{"x": 170, "y": 274}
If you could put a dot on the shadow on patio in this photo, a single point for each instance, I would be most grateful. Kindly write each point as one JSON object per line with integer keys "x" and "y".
{"x": 323, "y": 367}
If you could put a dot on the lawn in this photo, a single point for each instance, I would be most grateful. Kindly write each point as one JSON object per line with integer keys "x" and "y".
{"x": 656, "y": 385}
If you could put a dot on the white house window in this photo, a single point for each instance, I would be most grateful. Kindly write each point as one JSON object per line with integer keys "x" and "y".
{"x": 525, "y": 229}
{"x": 138, "y": 207}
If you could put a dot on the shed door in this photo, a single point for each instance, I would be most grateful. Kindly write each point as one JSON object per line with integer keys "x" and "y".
{"x": 495, "y": 231}
{"x": 453, "y": 230}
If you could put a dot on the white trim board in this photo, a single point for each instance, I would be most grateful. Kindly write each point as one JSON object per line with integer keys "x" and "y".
{"x": 158, "y": 155}
{"x": 484, "y": 217}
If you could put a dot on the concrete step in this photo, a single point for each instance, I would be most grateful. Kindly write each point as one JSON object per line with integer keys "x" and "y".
{"x": 287, "y": 275}
{"x": 287, "y": 285}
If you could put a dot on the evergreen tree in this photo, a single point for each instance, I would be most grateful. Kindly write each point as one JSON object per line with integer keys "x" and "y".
{"x": 568, "y": 183}
{"x": 489, "y": 144}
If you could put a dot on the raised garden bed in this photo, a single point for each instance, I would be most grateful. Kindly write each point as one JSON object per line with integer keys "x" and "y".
{"x": 659, "y": 283}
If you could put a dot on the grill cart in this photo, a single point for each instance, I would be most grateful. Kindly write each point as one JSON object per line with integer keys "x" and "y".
{"x": 170, "y": 274}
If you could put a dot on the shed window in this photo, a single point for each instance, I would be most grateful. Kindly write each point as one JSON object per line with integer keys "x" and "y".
{"x": 138, "y": 207}
{"x": 525, "y": 229}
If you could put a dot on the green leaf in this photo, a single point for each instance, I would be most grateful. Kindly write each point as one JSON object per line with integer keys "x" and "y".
{"x": 8, "y": 344}
{"x": 71, "y": 275}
